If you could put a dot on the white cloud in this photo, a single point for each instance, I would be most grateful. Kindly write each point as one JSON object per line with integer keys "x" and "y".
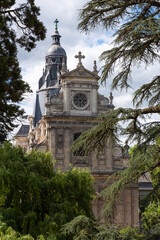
{"x": 123, "y": 101}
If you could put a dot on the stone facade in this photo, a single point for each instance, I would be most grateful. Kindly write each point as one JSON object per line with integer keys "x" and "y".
{"x": 70, "y": 106}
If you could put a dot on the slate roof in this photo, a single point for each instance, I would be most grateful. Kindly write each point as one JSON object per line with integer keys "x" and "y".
{"x": 23, "y": 131}
{"x": 39, "y": 109}
{"x": 56, "y": 50}
{"x": 37, "y": 112}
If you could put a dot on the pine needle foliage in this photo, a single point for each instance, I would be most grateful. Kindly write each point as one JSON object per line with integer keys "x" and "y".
{"x": 83, "y": 227}
{"x": 34, "y": 198}
{"x": 24, "y": 18}
{"x": 144, "y": 158}
{"x": 111, "y": 126}
{"x": 135, "y": 26}
{"x": 137, "y": 41}
{"x": 137, "y": 38}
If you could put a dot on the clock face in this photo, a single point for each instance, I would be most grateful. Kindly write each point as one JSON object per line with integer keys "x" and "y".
{"x": 80, "y": 100}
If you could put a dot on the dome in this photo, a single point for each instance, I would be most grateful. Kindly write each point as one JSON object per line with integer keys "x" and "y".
{"x": 56, "y": 50}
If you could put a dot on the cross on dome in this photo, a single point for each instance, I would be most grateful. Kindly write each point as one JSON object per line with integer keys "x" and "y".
{"x": 56, "y": 24}
{"x": 79, "y": 56}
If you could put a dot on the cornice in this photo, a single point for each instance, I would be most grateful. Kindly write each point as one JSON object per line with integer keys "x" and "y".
{"x": 72, "y": 118}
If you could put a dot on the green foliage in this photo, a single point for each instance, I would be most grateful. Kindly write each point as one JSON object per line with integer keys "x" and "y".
{"x": 80, "y": 228}
{"x": 136, "y": 38}
{"x": 36, "y": 199}
{"x": 144, "y": 158}
{"x": 150, "y": 205}
{"x": 24, "y": 18}
{"x": 136, "y": 31}
{"x": 137, "y": 41}
{"x": 151, "y": 215}
{"x": 110, "y": 127}
{"x": 7, "y": 233}
{"x": 83, "y": 227}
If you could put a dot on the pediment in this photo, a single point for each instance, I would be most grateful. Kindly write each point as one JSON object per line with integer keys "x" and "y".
{"x": 82, "y": 73}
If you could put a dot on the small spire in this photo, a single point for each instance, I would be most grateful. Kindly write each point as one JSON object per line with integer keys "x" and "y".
{"x": 95, "y": 67}
{"x": 126, "y": 150}
{"x": 79, "y": 56}
{"x": 56, "y": 24}
{"x": 56, "y": 36}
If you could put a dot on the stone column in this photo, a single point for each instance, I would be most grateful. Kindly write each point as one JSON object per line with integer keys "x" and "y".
{"x": 108, "y": 155}
{"x": 94, "y": 98}
{"x": 135, "y": 206}
{"x": 53, "y": 142}
{"x": 67, "y": 145}
{"x": 94, "y": 161}
{"x": 128, "y": 212}
{"x": 66, "y": 98}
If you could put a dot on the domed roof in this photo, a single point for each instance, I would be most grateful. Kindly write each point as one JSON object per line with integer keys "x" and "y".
{"x": 56, "y": 50}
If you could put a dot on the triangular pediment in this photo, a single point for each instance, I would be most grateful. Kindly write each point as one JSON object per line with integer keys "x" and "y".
{"x": 81, "y": 72}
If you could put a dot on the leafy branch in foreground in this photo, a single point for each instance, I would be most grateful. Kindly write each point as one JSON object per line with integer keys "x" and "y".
{"x": 135, "y": 26}
{"x": 148, "y": 92}
{"x": 144, "y": 158}
{"x": 34, "y": 198}
{"x": 81, "y": 228}
{"x": 110, "y": 127}
{"x": 25, "y": 20}
{"x": 137, "y": 38}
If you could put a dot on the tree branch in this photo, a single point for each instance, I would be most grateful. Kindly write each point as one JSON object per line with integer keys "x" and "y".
{"x": 12, "y": 10}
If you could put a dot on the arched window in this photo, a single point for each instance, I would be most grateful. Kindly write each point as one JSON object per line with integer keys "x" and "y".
{"x": 53, "y": 71}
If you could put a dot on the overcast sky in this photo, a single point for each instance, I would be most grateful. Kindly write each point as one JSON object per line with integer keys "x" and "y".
{"x": 92, "y": 45}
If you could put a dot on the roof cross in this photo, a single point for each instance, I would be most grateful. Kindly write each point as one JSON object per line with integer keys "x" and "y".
{"x": 56, "y": 24}
{"x": 79, "y": 56}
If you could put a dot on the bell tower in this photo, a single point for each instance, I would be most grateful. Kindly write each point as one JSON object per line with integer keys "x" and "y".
{"x": 49, "y": 83}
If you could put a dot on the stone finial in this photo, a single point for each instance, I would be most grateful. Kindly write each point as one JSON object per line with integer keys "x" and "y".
{"x": 126, "y": 150}
{"x": 79, "y": 56}
{"x": 95, "y": 67}
{"x": 56, "y": 24}
{"x": 30, "y": 118}
{"x": 111, "y": 98}
{"x": 64, "y": 67}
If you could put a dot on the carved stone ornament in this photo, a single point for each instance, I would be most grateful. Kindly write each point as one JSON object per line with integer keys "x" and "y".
{"x": 81, "y": 160}
{"x": 102, "y": 100}
{"x": 57, "y": 98}
{"x": 117, "y": 151}
{"x": 60, "y": 141}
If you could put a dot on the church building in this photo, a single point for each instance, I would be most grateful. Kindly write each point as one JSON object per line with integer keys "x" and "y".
{"x": 67, "y": 104}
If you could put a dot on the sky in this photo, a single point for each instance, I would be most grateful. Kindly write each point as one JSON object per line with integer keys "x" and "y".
{"x": 73, "y": 41}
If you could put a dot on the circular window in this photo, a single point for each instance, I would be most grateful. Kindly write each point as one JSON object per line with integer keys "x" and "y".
{"x": 80, "y": 100}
